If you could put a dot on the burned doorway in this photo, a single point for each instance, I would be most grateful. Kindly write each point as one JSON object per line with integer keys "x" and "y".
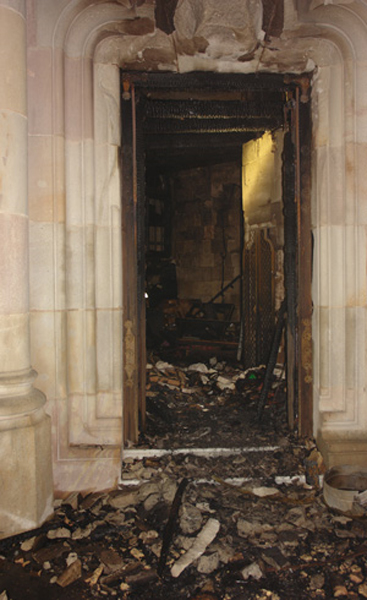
{"x": 178, "y": 124}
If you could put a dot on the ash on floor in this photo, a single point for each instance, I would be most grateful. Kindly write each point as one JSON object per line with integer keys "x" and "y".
{"x": 244, "y": 520}
{"x": 212, "y": 404}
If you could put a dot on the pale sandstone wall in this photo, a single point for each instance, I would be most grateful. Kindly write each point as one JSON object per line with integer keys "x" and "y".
{"x": 75, "y": 51}
{"x": 25, "y": 430}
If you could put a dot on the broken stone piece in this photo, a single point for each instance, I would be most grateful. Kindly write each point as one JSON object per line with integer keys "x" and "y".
{"x": 80, "y": 534}
{"x": 169, "y": 488}
{"x": 199, "y": 368}
{"x": 248, "y": 528}
{"x": 225, "y": 384}
{"x": 262, "y": 492}
{"x": 205, "y": 537}
{"x": 148, "y": 536}
{"x": 143, "y": 578}
{"x": 72, "y": 500}
{"x": 93, "y": 579}
{"x": 122, "y": 499}
{"x": 317, "y": 581}
{"x": 71, "y": 574}
{"x": 151, "y": 501}
{"x": 208, "y": 564}
{"x": 275, "y": 558}
{"x": 148, "y": 489}
{"x": 111, "y": 560}
{"x": 253, "y": 570}
{"x": 71, "y": 557}
{"x": 191, "y": 519}
{"x": 61, "y": 532}
{"x": 27, "y": 545}
{"x": 136, "y": 553}
{"x": 92, "y": 499}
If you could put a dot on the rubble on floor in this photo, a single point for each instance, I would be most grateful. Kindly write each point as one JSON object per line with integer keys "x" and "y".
{"x": 242, "y": 529}
{"x": 209, "y": 404}
{"x": 229, "y": 509}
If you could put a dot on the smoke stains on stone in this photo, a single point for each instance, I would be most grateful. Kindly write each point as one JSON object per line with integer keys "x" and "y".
{"x": 164, "y": 15}
{"x": 273, "y": 17}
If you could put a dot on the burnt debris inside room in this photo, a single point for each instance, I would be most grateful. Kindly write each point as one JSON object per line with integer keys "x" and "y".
{"x": 211, "y": 187}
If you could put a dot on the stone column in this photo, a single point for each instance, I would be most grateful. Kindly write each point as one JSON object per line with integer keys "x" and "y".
{"x": 25, "y": 446}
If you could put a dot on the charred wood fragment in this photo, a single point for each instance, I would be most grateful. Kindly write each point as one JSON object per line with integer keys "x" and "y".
{"x": 171, "y": 526}
{"x": 272, "y": 359}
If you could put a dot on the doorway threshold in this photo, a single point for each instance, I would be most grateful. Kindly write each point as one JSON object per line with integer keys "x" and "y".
{"x": 140, "y": 454}
{"x": 133, "y": 455}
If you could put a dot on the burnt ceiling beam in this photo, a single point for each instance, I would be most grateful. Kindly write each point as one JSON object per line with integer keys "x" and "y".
{"x": 204, "y": 109}
{"x": 197, "y": 157}
{"x": 201, "y": 80}
{"x": 200, "y": 126}
{"x": 204, "y": 140}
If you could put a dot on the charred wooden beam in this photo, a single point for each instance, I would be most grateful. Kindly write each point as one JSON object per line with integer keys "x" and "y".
{"x": 262, "y": 107}
{"x": 204, "y": 140}
{"x": 217, "y": 125}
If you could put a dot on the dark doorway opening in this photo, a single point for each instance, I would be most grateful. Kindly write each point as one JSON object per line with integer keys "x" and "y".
{"x": 180, "y": 131}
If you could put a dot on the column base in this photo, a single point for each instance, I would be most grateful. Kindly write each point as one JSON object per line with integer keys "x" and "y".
{"x": 338, "y": 448}
{"x": 26, "y": 498}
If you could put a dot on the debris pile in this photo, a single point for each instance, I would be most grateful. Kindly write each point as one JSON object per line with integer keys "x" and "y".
{"x": 211, "y": 505}
{"x": 209, "y": 404}
{"x": 240, "y": 525}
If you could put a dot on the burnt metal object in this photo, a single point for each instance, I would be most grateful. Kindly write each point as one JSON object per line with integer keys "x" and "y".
{"x": 223, "y": 290}
{"x": 207, "y": 321}
{"x": 272, "y": 360}
{"x": 170, "y": 527}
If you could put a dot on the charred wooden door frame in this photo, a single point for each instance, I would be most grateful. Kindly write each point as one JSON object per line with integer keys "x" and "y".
{"x": 297, "y": 188}
{"x": 298, "y": 254}
{"x": 133, "y": 272}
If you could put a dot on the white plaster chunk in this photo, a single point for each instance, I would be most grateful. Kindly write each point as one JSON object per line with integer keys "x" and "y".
{"x": 263, "y": 492}
{"x": 203, "y": 540}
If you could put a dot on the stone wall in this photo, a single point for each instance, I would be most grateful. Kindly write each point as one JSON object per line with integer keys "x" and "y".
{"x": 262, "y": 197}
{"x": 206, "y": 232}
{"x": 75, "y": 51}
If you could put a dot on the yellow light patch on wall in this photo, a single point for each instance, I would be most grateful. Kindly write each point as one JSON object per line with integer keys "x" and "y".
{"x": 257, "y": 172}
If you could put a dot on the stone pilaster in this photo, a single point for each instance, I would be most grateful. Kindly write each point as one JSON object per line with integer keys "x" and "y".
{"x": 25, "y": 452}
